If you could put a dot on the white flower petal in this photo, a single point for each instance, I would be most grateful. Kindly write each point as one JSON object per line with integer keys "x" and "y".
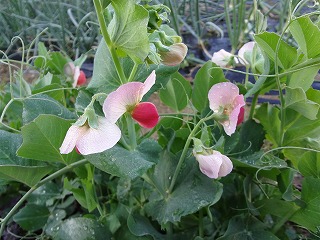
{"x": 209, "y": 164}
{"x": 222, "y": 94}
{"x": 70, "y": 140}
{"x": 76, "y": 75}
{"x": 148, "y": 83}
{"x": 98, "y": 140}
{"x": 226, "y": 166}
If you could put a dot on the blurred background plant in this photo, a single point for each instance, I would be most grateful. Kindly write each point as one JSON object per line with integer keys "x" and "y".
{"x": 71, "y": 25}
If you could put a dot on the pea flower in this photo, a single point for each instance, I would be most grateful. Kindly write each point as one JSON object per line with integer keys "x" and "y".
{"x": 223, "y": 58}
{"x": 88, "y": 139}
{"x": 177, "y": 52}
{"x": 225, "y": 102}
{"x": 78, "y": 76}
{"x": 245, "y": 51}
{"x": 127, "y": 99}
{"x": 211, "y": 163}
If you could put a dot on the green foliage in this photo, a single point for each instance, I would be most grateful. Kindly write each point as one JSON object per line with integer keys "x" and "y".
{"x": 170, "y": 207}
{"x": 177, "y": 92}
{"x": 157, "y": 183}
{"x": 207, "y": 76}
{"x": 15, "y": 168}
{"x": 128, "y": 29}
{"x": 42, "y": 139}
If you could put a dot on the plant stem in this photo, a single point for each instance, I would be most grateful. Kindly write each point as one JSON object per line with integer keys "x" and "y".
{"x": 32, "y": 189}
{"x": 108, "y": 41}
{"x": 133, "y": 72}
{"x": 201, "y": 230}
{"x": 185, "y": 150}
{"x": 253, "y": 104}
{"x": 131, "y": 132}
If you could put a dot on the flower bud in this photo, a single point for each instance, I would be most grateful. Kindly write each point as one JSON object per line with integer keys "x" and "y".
{"x": 176, "y": 54}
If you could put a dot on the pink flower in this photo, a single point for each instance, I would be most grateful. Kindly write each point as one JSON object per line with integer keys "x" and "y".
{"x": 78, "y": 76}
{"x": 88, "y": 140}
{"x": 222, "y": 58}
{"x": 127, "y": 99}
{"x": 214, "y": 164}
{"x": 224, "y": 100}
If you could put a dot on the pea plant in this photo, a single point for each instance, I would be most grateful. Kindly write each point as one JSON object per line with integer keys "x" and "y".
{"x": 104, "y": 159}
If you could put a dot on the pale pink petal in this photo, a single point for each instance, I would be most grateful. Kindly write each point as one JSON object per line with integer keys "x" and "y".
{"x": 246, "y": 48}
{"x": 69, "y": 142}
{"x": 69, "y": 69}
{"x": 76, "y": 75}
{"x": 209, "y": 164}
{"x": 98, "y": 140}
{"x": 226, "y": 166}
{"x": 118, "y": 102}
{"x": 146, "y": 114}
{"x": 230, "y": 125}
{"x": 222, "y": 94}
{"x": 221, "y": 58}
{"x": 148, "y": 83}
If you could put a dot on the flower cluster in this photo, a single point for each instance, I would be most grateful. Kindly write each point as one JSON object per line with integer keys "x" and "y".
{"x": 94, "y": 134}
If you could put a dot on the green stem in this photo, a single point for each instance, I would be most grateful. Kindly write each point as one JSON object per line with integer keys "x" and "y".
{"x": 32, "y": 189}
{"x": 133, "y": 72}
{"x": 131, "y": 132}
{"x": 105, "y": 34}
{"x": 185, "y": 150}
{"x": 201, "y": 229}
{"x": 253, "y": 104}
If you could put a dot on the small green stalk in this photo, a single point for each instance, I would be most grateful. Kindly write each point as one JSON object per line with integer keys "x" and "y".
{"x": 32, "y": 189}
{"x": 131, "y": 132}
{"x": 105, "y": 34}
{"x": 185, "y": 150}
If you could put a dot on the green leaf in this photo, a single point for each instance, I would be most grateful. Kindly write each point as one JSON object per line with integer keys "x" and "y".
{"x": 128, "y": 29}
{"x": 303, "y": 78}
{"x": 251, "y": 138}
{"x": 170, "y": 207}
{"x": 287, "y": 55}
{"x": 43, "y": 104}
{"x": 295, "y": 98}
{"x": 208, "y": 75}
{"x": 81, "y": 229}
{"x": 309, "y": 164}
{"x": 44, "y": 194}
{"x": 43, "y": 137}
{"x": 15, "y": 168}
{"x": 32, "y": 217}
{"x": 121, "y": 162}
{"x": 246, "y": 227}
{"x": 269, "y": 118}
{"x": 141, "y": 226}
{"x": 306, "y": 34}
{"x": 176, "y": 93}
{"x": 54, "y": 91}
{"x": 105, "y": 78}
{"x": 309, "y": 215}
{"x": 300, "y": 133}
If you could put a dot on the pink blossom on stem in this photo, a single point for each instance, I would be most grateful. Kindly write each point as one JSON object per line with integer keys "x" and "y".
{"x": 213, "y": 164}
{"x": 224, "y": 100}
{"x": 74, "y": 72}
{"x": 88, "y": 140}
{"x": 127, "y": 99}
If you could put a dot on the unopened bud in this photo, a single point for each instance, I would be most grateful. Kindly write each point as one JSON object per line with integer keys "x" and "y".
{"x": 177, "y": 52}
